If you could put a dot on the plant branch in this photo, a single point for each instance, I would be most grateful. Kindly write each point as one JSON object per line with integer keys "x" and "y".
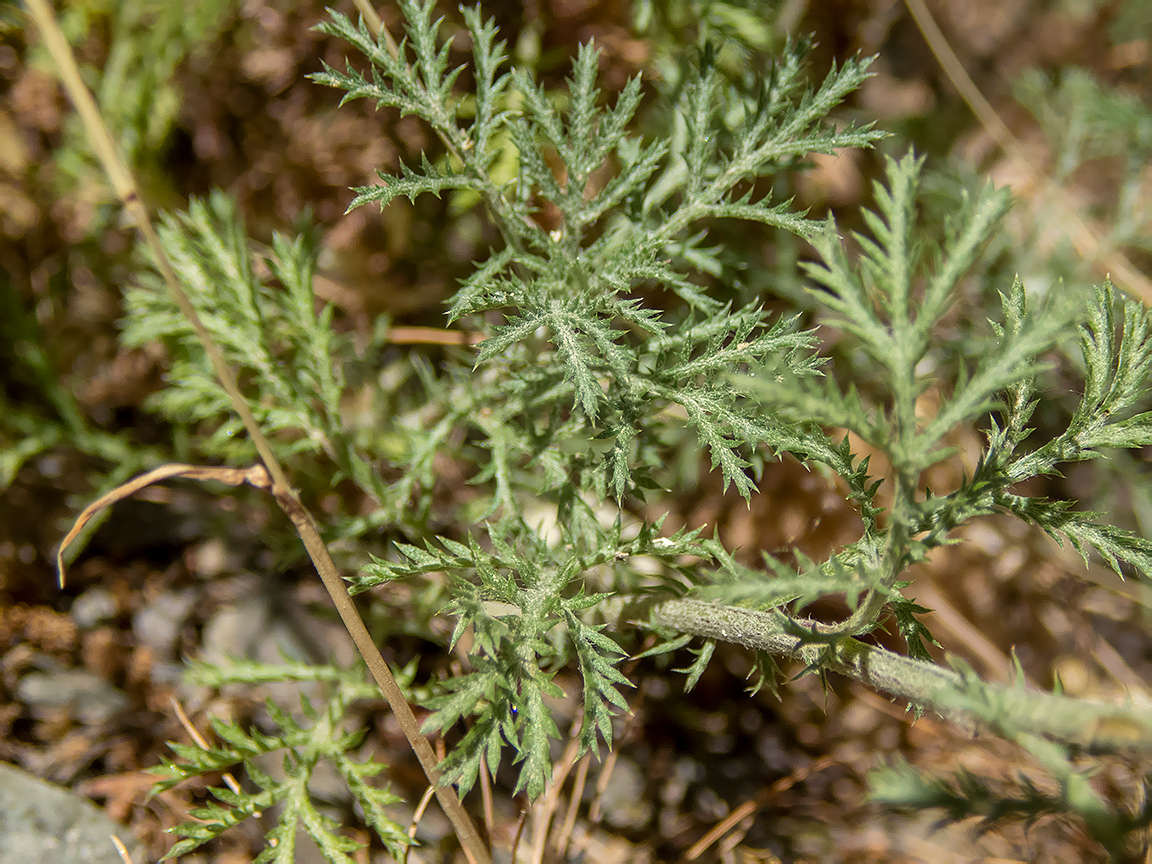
{"x": 951, "y": 694}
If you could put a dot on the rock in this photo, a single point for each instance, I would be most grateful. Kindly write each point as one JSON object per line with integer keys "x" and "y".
{"x": 236, "y": 630}
{"x": 626, "y": 804}
{"x": 210, "y": 559}
{"x": 157, "y": 624}
{"x": 92, "y": 699}
{"x": 248, "y": 630}
{"x": 45, "y": 824}
{"x": 94, "y": 606}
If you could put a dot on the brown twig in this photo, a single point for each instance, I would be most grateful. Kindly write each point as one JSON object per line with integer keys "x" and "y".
{"x": 546, "y": 807}
{"x": 129, "y": 195}
{"x": 431, "y": 336}
{"x": 195, "y": 735}
{"x": 565, "y": 835}
{"x": 752, "y": 805}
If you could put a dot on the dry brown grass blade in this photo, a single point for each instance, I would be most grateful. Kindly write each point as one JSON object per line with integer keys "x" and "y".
{"x": 519, "y": 834}
{"x": 606, "y": 769}
{"x": 195, "y": 735}
{"x": 755, "y": 804}
{"x": 425, "y": 799}
{"x": 431, "y": 336}
{"x": 372, "y": 19}
{"x": 121, "y": 849}
{"x": 565, "y": 835}
{"x": 966, "y": 636}
{"x": 1116, "y": 264}
{"x": 545, "y": 808}
{"x": 127, "y": 191}
{"x": 256, "y": 476}
{"x": 486, "y": 801}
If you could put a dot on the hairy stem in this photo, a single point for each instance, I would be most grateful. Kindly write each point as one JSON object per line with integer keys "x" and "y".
{"x": 959, "y": 698}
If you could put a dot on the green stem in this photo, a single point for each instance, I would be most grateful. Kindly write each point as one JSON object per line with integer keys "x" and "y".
{"x": 960, "y": 698}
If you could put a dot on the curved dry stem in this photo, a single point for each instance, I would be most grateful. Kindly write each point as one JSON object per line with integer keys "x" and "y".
{"x": 255, "y": 476}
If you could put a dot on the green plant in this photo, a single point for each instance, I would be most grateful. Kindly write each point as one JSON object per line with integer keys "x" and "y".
{"x": 320, "y": 737}
{"x": 604, "y": 341}
{"x": 136, "y": 89}
{"x": 138, "y": 96}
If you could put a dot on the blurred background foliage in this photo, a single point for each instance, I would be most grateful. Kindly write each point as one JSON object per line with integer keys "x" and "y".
{"x": 213, "y": 95}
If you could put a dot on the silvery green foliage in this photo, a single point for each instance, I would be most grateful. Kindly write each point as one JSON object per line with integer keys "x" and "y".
{"x": 299, "y": 743}
{"x": 574, "y": 332}
{"x": 577, "y": 358}
{"x": 260, "y": 309}
{"x": 604, "y": 343}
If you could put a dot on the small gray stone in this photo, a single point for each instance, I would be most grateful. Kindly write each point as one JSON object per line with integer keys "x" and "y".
{"x": 92, "y": 699}
{"x": 210, "y": 559}
{"x": 625, "y": 803}
{"x": 94, "y": 606}
{"x": 45, "y": 824}
{"x": 157, "y": 624}
{"x": 236, "y": 630}
{"x": 248, "y": 630}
